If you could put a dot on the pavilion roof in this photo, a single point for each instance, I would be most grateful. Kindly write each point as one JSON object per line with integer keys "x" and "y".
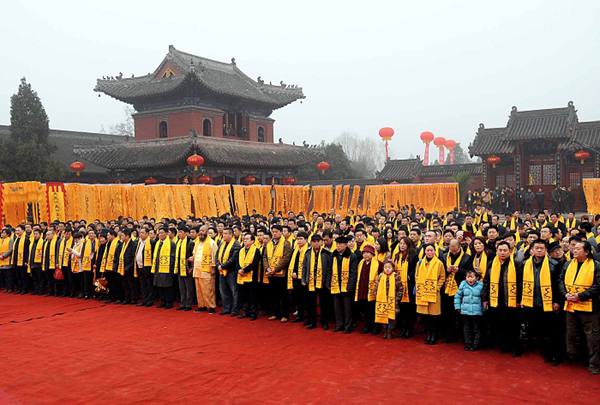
{"x": 196, "y": 72}
{"x": 167, "y": 152}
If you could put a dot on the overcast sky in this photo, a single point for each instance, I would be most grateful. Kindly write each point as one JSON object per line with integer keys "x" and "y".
{"x": 443, "y": 66}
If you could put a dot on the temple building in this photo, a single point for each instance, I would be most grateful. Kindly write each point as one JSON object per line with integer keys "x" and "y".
{"x": 536, "y": 149}
{"x": 194, "y": 105}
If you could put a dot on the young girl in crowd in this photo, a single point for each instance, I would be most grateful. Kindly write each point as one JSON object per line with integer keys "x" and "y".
{"x": 467, "y": 302}
{"x": 388, "y": 290}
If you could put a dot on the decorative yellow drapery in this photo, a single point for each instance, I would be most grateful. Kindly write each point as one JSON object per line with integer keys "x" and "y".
{"x": 355, "y": 198}
{"x": 108, "y": 201}
{"x": 440, "y": 197}
{"x": 20, "y": 196}
{"x": 591, "y": 190}
{"x": 322, "y": 198}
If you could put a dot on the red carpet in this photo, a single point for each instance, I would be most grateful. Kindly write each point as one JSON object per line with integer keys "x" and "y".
{"x": 58, "y": 350}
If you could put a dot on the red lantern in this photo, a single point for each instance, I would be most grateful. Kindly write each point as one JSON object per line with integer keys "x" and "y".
{"x": 493, "y": 160}
{"x": 249, "y": 179}
{"x": 426, "y": 137}
{"x": 582, "y": 155}
{"x": 77, "y": 167}
{"x": 288, "y": 181}
{"x": 450, "y": 145}
{"x": 323, "y": 167}
{"x": 386, "y": 133}
{"x": 440, "y": 142}
{"x": 195, "y": 160}
{"x": 204, "y": 179}
{"x": 150, "y": 180}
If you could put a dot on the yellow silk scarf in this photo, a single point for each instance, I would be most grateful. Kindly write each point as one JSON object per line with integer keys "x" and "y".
{"x": 385, "y": 304}
{"x": 402, "y": 270}
{"x": 451, "y": 286}
{"x": 495, "y": 283}
{"x": 164, "y": 257}
{"x": 427, "y": 280}
{"x": 298, "y": 253}
{"x": 245, "y": 260}
{"x": 335, "y": 278}
{"x": 121, "y": 267}
{"x": 86, "y": 256}
{"x": 223, "y": 254}
{"x": 373, "y": 273}
{"x": 109, "y": 256}
{"x": 319, "y": 272}
{"x": 529, "y": 284}
{"x": 275, "y": 253}
{"x": 576, "y": 285}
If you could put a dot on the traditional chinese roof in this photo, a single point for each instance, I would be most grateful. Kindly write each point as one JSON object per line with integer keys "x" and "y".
{"x": 490, "y": 141}
{"x": 409, "y": 169}
{"x": 473, "y": 169}
{"x": 554, "y": 124}
{"x": 586, "y": 135}
{"x": 158, "y": 153}
{"x": 196, "y": 74}
{"x": 541, "y": 124}
{"x": 399, "y": 170}
{"x": 64, "y": 140}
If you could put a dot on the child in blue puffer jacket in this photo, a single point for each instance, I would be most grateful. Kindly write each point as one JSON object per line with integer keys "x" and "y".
{"x": 467, "y": 302}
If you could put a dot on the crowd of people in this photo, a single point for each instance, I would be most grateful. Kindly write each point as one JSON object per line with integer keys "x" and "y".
{"x": 507, "y": 199}
{"x": 517, "y": 282}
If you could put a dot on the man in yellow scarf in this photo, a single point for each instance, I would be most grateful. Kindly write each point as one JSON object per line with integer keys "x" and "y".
{"x": 502, "y": 294}
{"x": 184, "y": 255}
{"x": 143, "y": 262}
{"x": 128, "y": 277}
{"x": 19, "y": 259}
{"x": 163, "y": 268}
{"x": 541, "y": 299}
{"x": 6, "y": 266}
{"x": 579, "y": 284}
{"x": 227, "y": 264}
{"x": 49, "y": 255}
{"x": 315, "y": 278}
{"x": 343, "y": 283}
{"x": 295, "y": 274}
{"x": 457, "y": 263}
{"x": 277, "y": 254}
{"x": 34, "y": 261}
{"x": 249, "y": 262}
{"x": 204, "y": 271}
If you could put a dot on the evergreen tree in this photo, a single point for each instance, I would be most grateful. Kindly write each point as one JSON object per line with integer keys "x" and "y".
{"x": 25, "y": 155}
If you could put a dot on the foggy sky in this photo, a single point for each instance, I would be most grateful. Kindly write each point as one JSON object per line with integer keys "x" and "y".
{"x": 443, "y": 66}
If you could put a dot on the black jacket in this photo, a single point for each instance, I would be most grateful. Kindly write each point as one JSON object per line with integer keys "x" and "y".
{"x": 338, "y": 257}
{"x": 325, "y": 267}
{"x": 592, "y": 293}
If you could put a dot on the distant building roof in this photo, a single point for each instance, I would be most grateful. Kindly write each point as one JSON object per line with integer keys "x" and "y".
{"x": 490, "y": 141}
{"x": 199, "y": 74}
{"x": 408, "y": 169}
{"x": 216, "y": 151}
{"x": 64, "y": 141}
{"x": 399, "y": 170}
{"x": 552, "y": 124}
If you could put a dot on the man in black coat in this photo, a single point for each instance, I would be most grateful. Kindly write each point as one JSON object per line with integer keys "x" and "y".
{"x": 316, "y": 283}
{"x": 503, "y": 300}
{"x": 342, "y": 285}
{"x": 184, "y": 268}
{"x": 543, "y": 322}
{"x": 247, "y": 288}
{"x": 227, "y": 264}
{"x": 457, "y": 263}
{"x": 128, "y": 278}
